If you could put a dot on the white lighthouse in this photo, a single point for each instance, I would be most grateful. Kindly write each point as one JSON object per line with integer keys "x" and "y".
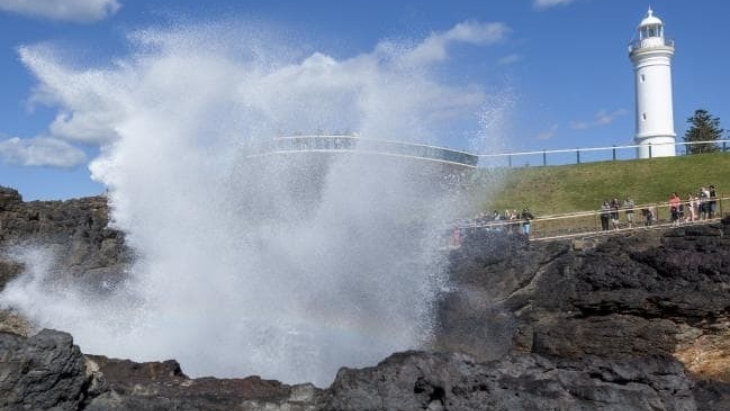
{"x": 651, "y": 56}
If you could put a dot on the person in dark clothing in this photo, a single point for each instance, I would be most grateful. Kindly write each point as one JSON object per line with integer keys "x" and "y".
{"x": 712, "y": 204}
{"x": 526, "y": 216}
{"x": 605, "y": 215}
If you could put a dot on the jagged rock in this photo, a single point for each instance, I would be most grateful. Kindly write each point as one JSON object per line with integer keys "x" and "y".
{"x": 635, "y": 294}
{"x": 644, "y": 293}
{"x": 14, "y": 323}
{"x": 47, "y": 372}
{"x": 421, "y": 381}
{"x": 75, "y": 232}
{"x": 163, "y": 386}
{"x": 43, "y": 372}
{"x": 8, "y": 271}
{"x": 607, "y": 323}
{"x": 9, "y": 198}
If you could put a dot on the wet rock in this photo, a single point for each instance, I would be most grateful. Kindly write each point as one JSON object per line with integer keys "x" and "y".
{"x": 637, "y": 320}
{"x": 448, "y": 381}
{"x": 43, "y": 372}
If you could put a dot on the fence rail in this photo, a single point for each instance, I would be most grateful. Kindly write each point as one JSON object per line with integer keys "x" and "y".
{"x": 588, "y": 223}
{"x": 583, "y": 155}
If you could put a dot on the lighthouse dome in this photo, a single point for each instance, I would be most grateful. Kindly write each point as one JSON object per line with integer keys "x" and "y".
{"x": 650, "y": 20}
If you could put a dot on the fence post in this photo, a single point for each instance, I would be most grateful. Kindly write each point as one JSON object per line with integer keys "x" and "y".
{"x": 577, "y": 155}
{"x": 509, "y": 161}
{"x": 544, "y": 157}
{"x": 649, "y": 150}
{"x": 614, "y": 152}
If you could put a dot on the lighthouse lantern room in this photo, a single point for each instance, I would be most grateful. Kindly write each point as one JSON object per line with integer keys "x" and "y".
{"x": 651, "y": 56}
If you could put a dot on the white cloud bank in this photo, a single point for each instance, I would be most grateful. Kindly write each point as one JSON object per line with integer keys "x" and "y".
{"x": 40, "y": 151}
{"x": 387, "y": 91}
{"x": 392, "y": 81}
{"x": 79, "y": 11}
{"x": 435, "y": 47}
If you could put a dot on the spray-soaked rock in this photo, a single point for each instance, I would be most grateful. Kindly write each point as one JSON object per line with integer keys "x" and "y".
{"x": 608, "y": 323}
{"x": 42, "y": 372}
{"x": 47, "y": 371}
{"x": 420, "y": 381}
{"x": 163, "y": 386}
{"x": 632, "y": 295}
{"x": 75, "y": 233}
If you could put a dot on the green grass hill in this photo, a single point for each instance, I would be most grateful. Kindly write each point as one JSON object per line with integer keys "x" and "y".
{"x": 581, "y": 187}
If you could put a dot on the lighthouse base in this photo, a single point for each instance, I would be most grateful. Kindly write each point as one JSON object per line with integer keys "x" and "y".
{"x": 656, "y": 147}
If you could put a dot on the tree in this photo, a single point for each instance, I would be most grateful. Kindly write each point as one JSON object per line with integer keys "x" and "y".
{"x": 705, "y": 127}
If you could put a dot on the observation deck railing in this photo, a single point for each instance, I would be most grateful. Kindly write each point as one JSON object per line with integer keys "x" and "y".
{"x": 584, "y": 155}
{"x": 348, "y": 143}
{"x": 588, "y": 223}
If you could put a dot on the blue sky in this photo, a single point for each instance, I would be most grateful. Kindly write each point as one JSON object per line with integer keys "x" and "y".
{"x": 515, "y": 74}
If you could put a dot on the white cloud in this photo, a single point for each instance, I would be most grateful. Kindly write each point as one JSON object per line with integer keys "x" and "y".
{"x": 86, "y": 113}
{"x": 544, "y": 4}
{"x": 435, "y": 47}
{"x": 602, "y": 118}
{"x": 80, "y": 11}
{"x": 510, "y": 59}
{"x": 184, "y": 82}
{"x": 548, "y": 134}
{"x": 40, "y": 151}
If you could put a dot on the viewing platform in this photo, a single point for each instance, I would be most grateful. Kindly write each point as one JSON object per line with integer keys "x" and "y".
{"x": 333, "y": 144}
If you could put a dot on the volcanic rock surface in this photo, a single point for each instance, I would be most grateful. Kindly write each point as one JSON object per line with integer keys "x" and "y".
{"x": 634, "y": 321}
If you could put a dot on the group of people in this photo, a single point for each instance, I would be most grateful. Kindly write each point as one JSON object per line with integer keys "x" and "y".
{"x": 695, "y": 207}
{"x": 610, "y": 213}
{"x": 510, "y": 221}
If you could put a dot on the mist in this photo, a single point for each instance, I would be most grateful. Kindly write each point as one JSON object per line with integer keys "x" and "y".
{"x": 274, "y": 266}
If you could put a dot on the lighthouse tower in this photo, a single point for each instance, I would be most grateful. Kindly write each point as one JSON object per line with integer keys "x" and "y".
{"x": 651, "y": 56}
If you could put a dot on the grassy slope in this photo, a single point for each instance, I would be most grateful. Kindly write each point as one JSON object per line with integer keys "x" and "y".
{"x": 581, "y": 187}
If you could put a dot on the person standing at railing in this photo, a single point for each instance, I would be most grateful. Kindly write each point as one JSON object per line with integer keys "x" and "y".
{"x": 648, "y": 214}
{"x": 629, "y": 206}
{"x": 605, "y": 215}
{"x": 513, "y": 217}
{"x": 704, "y": 203}
{"x": 691, "y": 207}
{"x": 712, "y": 203}
{"x": 674, "y": 203}
{"x": 526, "y": 217}
{"x": 615, "y": 206}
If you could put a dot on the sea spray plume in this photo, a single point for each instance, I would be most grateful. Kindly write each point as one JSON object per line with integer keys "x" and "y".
{"x": 49, "y": 297}
{"x": 250, "y": 265}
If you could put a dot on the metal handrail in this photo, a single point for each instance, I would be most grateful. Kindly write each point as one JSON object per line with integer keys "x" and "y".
{"x": 540, "y": 229}
{"x": 636, "y": 44}
{"x": 723, "y": 145}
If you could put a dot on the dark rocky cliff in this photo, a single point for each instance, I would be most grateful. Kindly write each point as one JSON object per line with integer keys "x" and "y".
{"x": 77, "y": 229}
{"x": 635, "y": 321}
{"x": 76, "y": 232}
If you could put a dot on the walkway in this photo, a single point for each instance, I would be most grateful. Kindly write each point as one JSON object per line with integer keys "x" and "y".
{"x": 587, "y": 223}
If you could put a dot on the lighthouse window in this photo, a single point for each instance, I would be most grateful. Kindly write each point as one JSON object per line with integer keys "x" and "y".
{"x": 643, "y": 78}
{"x": 643, "y": 116}
{"x": 652, "y": 32}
